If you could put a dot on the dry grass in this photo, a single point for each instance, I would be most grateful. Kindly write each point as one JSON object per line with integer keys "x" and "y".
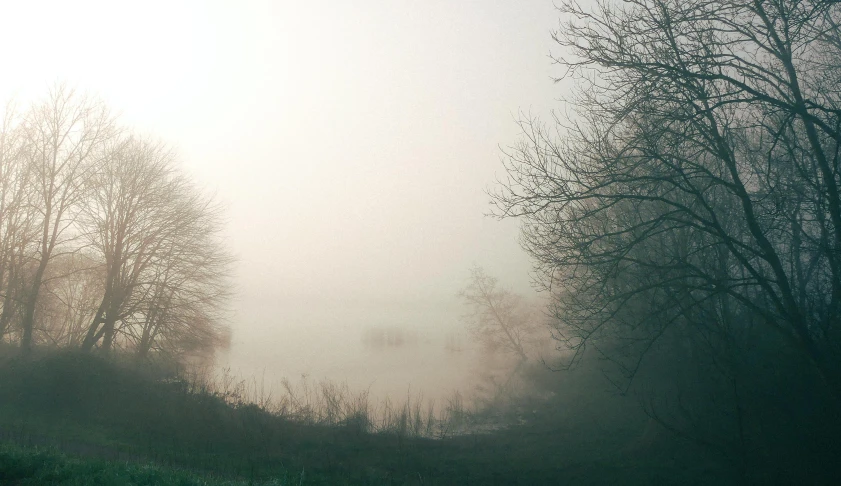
{"x": 329, "y": 403}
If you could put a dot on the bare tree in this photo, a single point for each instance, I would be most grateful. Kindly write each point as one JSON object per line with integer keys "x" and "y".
{"x": 14, "y": 215}
{"x": 165, "y": 274}
{"x": 705, "y": 135}
{"x": 127, "y": 216}
{"x": 691, "y": 203}
{"x": 182, "y": 314}
{"x": 64, "y": 135}
{"x": 72, "y": 286}
{"x": 103, "y": 242}
{"x": 499, "y": 318}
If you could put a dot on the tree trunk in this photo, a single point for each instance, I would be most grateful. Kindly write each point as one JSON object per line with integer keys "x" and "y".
{"x": 145, "y": 343}
{"x": 6, "y": 314}
{"x": 91, "y": 336}
{"x": 28, "y": 322}
{"x": 108, "y": 333}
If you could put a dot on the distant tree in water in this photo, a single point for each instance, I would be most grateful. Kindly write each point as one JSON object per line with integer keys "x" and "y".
{"x": 388, "y": 337}
{"x": 104, "y": 243}
{"x": 499, "y": 319}
{"x": 453, "y": 342}
{"x": 687, "y": 219}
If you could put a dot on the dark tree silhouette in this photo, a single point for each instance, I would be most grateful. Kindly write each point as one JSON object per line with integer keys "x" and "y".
{"x": 688, "y": 210}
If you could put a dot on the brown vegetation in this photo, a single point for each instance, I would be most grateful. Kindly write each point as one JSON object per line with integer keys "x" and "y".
{"x": 103, "y": 242}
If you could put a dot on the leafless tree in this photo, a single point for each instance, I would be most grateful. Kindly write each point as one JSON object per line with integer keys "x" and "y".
{"x": 703, "y": 162}
{"x": 72, "y": 286}
{"x": 499, "y": 318}
{"x": 182, "y": 314}
{"x": 691, "y": 202}
{"x": 63, "y": 136}
{"x": 165, "y": 273}
{"x": 14, "y": 216}
{"x": 127, "y": 216}
{"x": 104, "y": 243}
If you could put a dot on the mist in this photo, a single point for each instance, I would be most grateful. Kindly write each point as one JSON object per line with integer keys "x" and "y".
{"x": 350, "y": 145}
{"x": 379, "y": 242}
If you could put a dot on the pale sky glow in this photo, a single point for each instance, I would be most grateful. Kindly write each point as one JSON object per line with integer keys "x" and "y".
{"x": 351, "y": 141}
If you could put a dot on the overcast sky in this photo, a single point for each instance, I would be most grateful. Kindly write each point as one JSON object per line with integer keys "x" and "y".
{"x": 351, "y": 141}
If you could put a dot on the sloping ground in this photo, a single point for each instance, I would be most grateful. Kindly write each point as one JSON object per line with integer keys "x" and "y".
{"x": 96, "y": 411}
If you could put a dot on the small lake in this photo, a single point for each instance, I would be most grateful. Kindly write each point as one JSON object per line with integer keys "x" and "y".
{"x": 392, "y": 349}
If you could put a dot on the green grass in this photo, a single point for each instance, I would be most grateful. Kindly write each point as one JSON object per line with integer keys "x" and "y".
{"x": 47, "y": 466}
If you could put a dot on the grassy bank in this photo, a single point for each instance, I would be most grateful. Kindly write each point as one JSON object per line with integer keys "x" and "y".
{"x": 112, "y": 421}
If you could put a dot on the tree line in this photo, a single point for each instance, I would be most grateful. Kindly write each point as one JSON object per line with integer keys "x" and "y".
{"x": 104, "y": 243}
{"x": 685, "y": 215}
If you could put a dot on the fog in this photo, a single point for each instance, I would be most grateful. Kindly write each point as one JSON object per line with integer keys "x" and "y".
{"x": 351, "y": 143}
{"x": 250, "y": 241}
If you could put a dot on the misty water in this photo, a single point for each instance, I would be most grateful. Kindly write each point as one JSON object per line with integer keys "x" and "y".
{"x": 392, "y": 349}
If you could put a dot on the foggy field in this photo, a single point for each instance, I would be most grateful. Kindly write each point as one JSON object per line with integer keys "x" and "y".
{"x": 436, "y": 242}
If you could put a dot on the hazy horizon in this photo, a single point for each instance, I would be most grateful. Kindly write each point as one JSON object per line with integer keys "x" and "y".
{"x": 350, "y": 145}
